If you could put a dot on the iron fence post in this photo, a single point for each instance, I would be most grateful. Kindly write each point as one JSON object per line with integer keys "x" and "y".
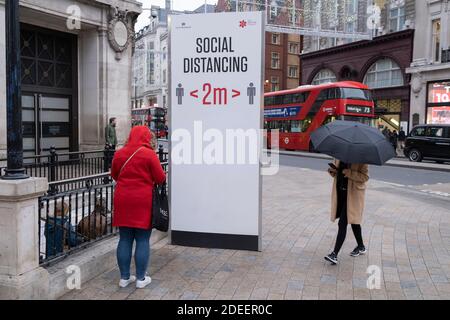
{"x": 52, "y": 169}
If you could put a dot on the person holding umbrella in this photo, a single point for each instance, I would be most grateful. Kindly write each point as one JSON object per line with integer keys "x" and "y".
{"x": 354, "y": 145}
{"x": 347, "y": 204}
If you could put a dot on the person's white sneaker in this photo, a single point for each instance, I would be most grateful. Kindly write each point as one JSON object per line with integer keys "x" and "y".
{"x": 124, "y": 283}
{"x": 143, "y": 283}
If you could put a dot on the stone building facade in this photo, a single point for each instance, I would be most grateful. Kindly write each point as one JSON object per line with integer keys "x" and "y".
{"x": 352, "y": 16}
{"x": 380, "y": 63}
{"x": 151, "y": 61}
{"x": 76, "y": 72}
{"x": 430, "y": 67}
{"x": 282, "y": 67}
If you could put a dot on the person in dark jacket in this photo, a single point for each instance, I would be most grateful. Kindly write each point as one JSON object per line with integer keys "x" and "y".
{"x": 394, "y": 139}
{"x": 402, "y": 138}
{"x": 110, "y": 134}
{"x": 136, "y": 169}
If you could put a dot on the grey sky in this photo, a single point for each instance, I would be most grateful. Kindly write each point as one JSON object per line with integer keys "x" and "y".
{"x": 176, "y": 5}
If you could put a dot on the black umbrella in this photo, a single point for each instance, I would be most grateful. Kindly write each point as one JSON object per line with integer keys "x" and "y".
{"x": 352, "y": 142}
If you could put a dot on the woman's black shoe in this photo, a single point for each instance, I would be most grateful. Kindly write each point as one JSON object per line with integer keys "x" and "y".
{"x": 357, "y": 251}
{"x": 332, "y": 257}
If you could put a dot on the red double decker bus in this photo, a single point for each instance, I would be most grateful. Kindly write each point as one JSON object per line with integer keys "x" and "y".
{"x": 298, "y": 112}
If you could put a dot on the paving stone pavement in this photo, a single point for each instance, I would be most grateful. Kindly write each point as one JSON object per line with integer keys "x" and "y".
{"x": 407, "y": 234}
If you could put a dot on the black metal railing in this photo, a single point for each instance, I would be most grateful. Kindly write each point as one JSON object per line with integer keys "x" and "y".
{"x": 70, "y": 166}
{"x": 61, "y": 166}
{"x": 70, "y": 220}
{"x": 76, "y": 213}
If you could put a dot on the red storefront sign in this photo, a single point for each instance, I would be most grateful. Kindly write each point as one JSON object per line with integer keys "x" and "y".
{"x": 439, "y": 92}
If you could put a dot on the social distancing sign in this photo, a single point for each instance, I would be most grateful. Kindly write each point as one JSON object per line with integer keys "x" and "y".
{"x": 216, "y": 110}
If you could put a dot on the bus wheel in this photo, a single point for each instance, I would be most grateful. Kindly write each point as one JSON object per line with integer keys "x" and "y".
{"x": 415, "y": 155}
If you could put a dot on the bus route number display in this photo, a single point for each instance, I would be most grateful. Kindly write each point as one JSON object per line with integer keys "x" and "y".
{"x": 358, "y": 109}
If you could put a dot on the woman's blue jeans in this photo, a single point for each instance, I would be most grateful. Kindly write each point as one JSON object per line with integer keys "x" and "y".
{"x": 125, "y": 251}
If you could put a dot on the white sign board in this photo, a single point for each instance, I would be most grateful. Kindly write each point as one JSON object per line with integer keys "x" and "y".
{"x": 216, "y": 103}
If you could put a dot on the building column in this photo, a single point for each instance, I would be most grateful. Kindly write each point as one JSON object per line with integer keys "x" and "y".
{"x": 445, "y": 25}
{"x": 118, "y": 89}
{"x": 20, "y": 274}
{"x": 90, "y": 88}
{"x": 104, "y": 89}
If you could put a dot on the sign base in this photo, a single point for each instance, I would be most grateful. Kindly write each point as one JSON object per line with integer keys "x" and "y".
{"x": 215, "y": 240}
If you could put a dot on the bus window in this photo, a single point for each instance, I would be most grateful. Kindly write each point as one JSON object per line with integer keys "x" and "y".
{"x": 353, "y": 93}
{"x": 268, "y": 101}
{"x": 297, "y": 98}
{"x": 286, "y": 126}
{"x": 300, "y": 97}
{"x": 365, "y": 120}
{"x": 277, "y": 100}
{"x": 296, "y": 126}
{"x": 287, "y": 98}
{"x": 329, "y": 119}
{"x": 306, "y": 123}
{"x": 333, "y": 93}
{"x": 322, "y": 96}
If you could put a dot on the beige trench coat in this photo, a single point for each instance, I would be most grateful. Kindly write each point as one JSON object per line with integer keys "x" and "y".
{"x": 359, "y": 175}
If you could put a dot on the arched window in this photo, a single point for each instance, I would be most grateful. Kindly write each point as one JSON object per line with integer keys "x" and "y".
{"x": 324, "y": 76}
{"x": 384, "y": 73}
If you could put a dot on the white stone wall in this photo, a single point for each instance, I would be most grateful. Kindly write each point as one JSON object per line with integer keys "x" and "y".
{"x": 426, "y": 13}
{"x": 423, "y": 70}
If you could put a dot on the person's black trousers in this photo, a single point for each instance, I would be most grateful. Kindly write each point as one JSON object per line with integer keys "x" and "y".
{"x": 343, "y": 222}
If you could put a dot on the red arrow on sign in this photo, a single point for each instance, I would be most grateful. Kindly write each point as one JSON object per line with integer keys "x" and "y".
{"x": 235, "y": 93}
{"x": 194, "y": 94}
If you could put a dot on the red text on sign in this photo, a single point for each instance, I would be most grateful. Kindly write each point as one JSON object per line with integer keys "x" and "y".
{"x": 219, "y": 95}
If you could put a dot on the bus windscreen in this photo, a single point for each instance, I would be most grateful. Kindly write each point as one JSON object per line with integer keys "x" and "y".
{"x": 356, "y": 94}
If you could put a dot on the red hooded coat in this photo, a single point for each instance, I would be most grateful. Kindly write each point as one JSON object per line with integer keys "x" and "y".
{"x": 134, "y": 189}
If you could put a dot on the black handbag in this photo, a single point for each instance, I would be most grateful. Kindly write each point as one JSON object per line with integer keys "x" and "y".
{"x": 160, "y": 208}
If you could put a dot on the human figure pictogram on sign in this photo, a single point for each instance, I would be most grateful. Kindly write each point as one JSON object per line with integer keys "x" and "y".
{"x": 251, "y": 93}
{"x": 180, "y": 93}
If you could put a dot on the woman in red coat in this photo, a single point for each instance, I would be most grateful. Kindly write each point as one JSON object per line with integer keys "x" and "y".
{"x": 135, "y": 168}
